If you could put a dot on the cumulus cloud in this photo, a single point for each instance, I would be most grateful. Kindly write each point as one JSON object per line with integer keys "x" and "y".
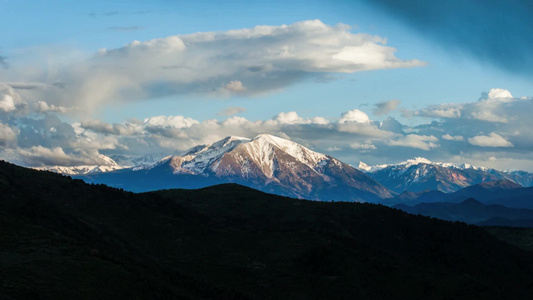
{"x": 356, "y": 116}
{"x": 10, "y": 100}
{"x": 7, "y": 103}
{"x": 392, "y": 125}
{"x": 449, "y": 111}
{"x": 367, "y": 145}
{"x": 491, "y": 140}
{"x": 423, "y": 142}
{"x": 115, "y": 129}
{"x": 496, "y": 93}
{"x": 289, "y": 118}
{"x": 383, "y": 108}
{"x": 246, "y": 61}
{"x": 496, "y": 106}
{"x": 352, "y": 137}
{"x": 230, "y": 111}
{"x": 453, "y": 138}
{"x": 41, "y": 156}
{"x": 234, "y": 86}
{"x": 42, "y": 106}
{"x": 170, "y": 121}
{"x": 7, "y": 134}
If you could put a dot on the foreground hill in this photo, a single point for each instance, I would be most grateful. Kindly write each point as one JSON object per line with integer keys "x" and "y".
{"x": 64, "y": 239}
{"x": 266, "y": 163}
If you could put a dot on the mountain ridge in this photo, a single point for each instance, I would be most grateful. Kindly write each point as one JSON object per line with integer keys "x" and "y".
{"x": 65, "y": 239}
{"x": 419, "y": 174}
{"x": 473, "y": 211}
{"x": 266, "y": 162}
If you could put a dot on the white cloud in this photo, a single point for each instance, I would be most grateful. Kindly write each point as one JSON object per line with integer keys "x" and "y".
{"x": 289, "y": 118}
{"x": 450, "y": 111}
{"x": 292, "y": 118}
{"x": 501, "y": 94}
{"x": 453, "y": 138}
{"x": 486, "y": 115}
{"x": 170, "y": 121}
{"x": 7, "y": 134}
{"x": 375, "y": 142}
{"x": 235, "y": 86}
{"x": 354, "y": 115}
{"x": 367, "y": 145}
{"x": 491, "y": 140}
{"x": 246, "y": 61}
{"x": 42, "y": 156}
{"x": 125, "y": 129}
{"x": 42, "y": 106}
{"x": 7, "y": 103}
{"x": 496, "y": 106}
{"x": 422, "y": 142}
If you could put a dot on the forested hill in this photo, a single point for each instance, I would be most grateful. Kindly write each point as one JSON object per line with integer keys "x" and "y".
{"x": 64, "y": 239}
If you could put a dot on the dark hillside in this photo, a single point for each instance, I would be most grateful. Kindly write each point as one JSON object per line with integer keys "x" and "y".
{"x": 63, "y": 239}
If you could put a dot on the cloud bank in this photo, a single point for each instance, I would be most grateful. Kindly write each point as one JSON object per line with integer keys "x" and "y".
{"x": 461, "y": 137}
{"x": 243, "y": 62}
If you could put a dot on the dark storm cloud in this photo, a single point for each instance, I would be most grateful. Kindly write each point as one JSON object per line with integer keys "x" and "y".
{"x": 495, "y": 31}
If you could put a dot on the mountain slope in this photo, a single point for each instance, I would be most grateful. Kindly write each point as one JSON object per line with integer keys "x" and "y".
{"x": 63, "y": 239}
{"x": 420, "y": 174}
{"x": 267, "y": 163}
{"x": 502, "y": 192}
{"x": 473, "y": 212}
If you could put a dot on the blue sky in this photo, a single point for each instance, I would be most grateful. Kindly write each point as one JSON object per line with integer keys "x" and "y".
{"x": 63, "y": 96}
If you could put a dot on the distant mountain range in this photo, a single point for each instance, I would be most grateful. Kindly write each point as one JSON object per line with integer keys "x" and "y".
{"x": 266, "y": 163}
{"x": 110, "y": 165}
{"x": 473, "y": 212}
{"x": 420, "y": 174}
{"x": 280, "y": 166}
{"x": 502, "y": 192}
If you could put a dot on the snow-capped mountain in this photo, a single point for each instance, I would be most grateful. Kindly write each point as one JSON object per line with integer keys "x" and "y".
{"x": 266, "y": 162}
{"x": 107, "y": 165}
{"x": 136, "y": 161}
{"x": 421, "y": 174}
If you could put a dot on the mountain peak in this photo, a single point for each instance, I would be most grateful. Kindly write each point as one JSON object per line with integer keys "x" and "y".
{"x": 473, "y": 202}
{"x": 416, "y": 161}
{"x": 266, "y": 162}
{"x": 274, "y": 140}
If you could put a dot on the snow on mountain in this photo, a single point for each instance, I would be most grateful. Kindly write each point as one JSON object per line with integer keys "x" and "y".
{"x": 266, "y": 162}
{"x": 108, "y": 165}
{"x": 421, "y": 174}
{"x": 416, "y": 161}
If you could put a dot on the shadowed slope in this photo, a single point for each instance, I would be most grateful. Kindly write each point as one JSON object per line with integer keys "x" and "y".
{"x": 63, "y": 239}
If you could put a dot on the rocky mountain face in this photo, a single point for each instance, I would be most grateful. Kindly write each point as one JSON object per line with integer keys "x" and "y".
{"x": 420, "y": 174}
{"x": 266, "y": 162}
